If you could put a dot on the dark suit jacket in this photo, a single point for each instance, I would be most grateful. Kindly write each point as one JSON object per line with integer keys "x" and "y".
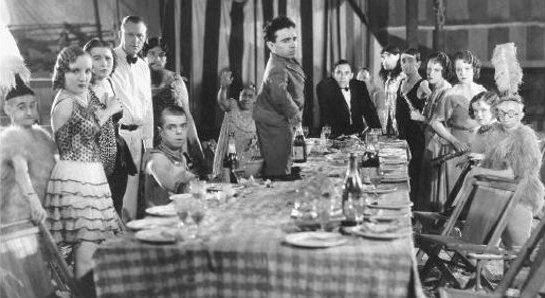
{"x": 334, "y": 110}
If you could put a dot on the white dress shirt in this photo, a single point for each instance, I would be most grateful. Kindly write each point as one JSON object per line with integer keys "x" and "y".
{"x": 132, "y": 84}
{"x": 347, "y": 98}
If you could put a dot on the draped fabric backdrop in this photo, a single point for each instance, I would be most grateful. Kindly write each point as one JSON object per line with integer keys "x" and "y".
{"x": 228, "y": 34}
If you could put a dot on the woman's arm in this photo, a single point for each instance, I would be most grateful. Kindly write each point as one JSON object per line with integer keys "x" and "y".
{"x": 443, "y": 132}
{"x": 37, "y": 212}
{"x": 113, "y": 106}
{"x": 61, "y": 113}
{"x": 226, "y": 79}
{"x": 506, "y": 173}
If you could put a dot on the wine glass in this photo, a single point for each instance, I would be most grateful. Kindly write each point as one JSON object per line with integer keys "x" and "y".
{"x": 182, "y": 204}
{"x": 326, "y": 132}
{"x": 375, "y": 177}
{"x": 198, "y": 212}
{"x": 305, "y": 131}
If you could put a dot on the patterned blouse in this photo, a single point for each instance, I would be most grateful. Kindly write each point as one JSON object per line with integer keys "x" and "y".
{"x": 106, "y": 138}
{"x": 77, "y": 139}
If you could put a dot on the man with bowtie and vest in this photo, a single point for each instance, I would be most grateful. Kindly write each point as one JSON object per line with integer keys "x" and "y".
{"x": 344, "y": 102}
{"x": 131, "y": 80}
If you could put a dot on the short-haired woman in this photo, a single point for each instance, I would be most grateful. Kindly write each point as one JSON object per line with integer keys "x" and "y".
{"x": 78, "y": 199}
{"x": 115, "y": 155}
{"x": 438, "y": 71}
{"x": 452, "y": 121}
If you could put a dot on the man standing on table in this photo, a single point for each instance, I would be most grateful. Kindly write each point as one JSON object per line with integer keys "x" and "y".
{"x": 279, "y": 105}
{"x": 132, "y": 84}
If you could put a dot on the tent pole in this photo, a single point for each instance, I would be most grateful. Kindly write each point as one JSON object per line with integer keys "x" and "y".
{"x": 97, "y": 19}
{"x": 177, "y": 48}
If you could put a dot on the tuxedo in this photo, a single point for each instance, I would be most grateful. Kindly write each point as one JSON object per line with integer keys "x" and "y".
{"x": 343, "y": 118}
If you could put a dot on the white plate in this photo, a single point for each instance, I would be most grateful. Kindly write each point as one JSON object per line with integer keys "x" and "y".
{"x": 389, "y": 235}
{"x": 315, "y": 239}
{"x": 393, "y": 179}
{"x": 151, "y": 223}
{"x": 381, "y": 189}
{"x": 386, "y": 217}
{"x": 215, "y": 187}
{"x": 159, "y": 235}
{"x": 393, "y": 206}
{"x": 181, "y": 196}
{"x": 163, "y": 210}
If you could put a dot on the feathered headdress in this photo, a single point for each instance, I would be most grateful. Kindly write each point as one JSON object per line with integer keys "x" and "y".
{"x": 11, "y": 62}
{"x": 508, "y": 73}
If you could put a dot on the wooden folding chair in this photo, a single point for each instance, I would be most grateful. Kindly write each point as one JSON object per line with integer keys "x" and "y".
{"x": 60, "y": 272}
{"x": 492, "y": 203}
{"x": 443, "y": 223}
{"x": 536, "y": 275}
{"x": 434, "y": 222}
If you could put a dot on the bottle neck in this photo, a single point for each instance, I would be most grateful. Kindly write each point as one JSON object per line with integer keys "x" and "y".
{"x": 231, "y": 148}
{"x": 352, "y": 165}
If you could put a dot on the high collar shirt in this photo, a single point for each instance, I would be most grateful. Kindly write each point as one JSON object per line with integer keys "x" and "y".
{"x": 132, "y": 84}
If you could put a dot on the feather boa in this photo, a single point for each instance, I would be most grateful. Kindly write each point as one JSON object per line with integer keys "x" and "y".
{"x": 37, "y": 147}
{"x": 519, "y": 150}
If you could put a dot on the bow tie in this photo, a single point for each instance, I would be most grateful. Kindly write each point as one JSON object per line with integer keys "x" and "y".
{"x": 131, "y": 59}
{"x": 345, "y": 89}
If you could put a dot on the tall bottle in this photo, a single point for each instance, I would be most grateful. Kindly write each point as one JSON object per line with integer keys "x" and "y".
{"x": 353, "y": 199}
{"x": 299, "y": 148}
{"x": 230, "y": 161}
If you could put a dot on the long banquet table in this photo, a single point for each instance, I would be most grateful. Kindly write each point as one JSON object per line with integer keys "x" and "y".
{"x": 245, "y": 255}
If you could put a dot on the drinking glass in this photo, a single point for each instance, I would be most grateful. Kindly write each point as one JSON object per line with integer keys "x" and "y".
{"x": 375, "y": 177}
{"x": 326, "y": 132}
{"x": 323, "y": 207}
{"x": 198, "y": 189}
{"x": 305, "y": 131}
{"x": 182, "y": 205}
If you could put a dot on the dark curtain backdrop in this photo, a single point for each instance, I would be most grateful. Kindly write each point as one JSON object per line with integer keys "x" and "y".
{"x": 228, "y": 34}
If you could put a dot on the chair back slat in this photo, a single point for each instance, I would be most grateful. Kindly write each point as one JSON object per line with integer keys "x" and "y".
{"x": 457, "y": 211}
{"x": 492, "y": 203}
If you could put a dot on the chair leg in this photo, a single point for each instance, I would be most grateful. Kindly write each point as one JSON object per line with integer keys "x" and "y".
{"x": 478, "y": 285}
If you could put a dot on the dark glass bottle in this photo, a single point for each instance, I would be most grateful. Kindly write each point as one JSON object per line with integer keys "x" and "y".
{"x": 230, "y": 161}
{"x": 353, "y": 199}
{"x": 299, "y": 148}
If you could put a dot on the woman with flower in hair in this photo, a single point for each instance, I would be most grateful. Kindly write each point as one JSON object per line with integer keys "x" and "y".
{"x": 78, "y": 199}
{"x": 237, "y": 120}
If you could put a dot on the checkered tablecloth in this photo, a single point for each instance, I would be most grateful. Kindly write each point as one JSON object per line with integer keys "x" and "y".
{"x": 246, "y": 257}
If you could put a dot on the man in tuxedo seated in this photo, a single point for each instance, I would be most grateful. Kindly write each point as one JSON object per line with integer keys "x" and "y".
{"x": 345, "y": 103}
